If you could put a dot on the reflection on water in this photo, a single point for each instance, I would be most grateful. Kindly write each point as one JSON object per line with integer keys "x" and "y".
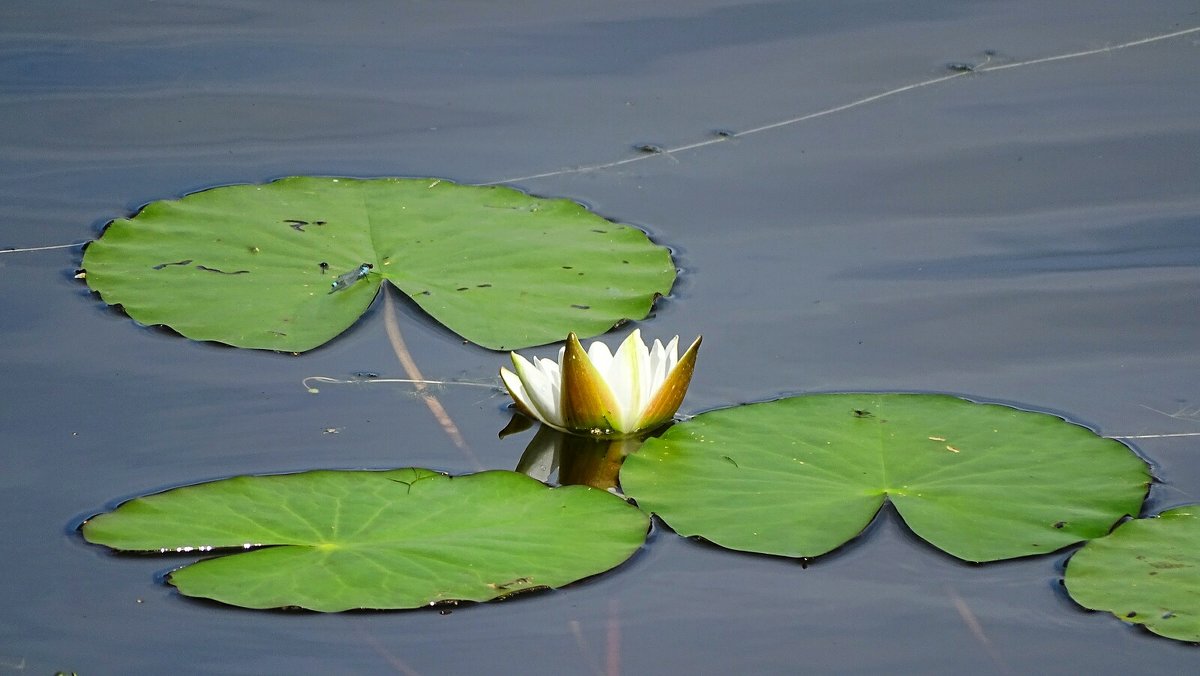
{"x": 570, "y": 459}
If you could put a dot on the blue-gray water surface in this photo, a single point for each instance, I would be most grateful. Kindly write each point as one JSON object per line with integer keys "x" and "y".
{"x": 1028, "y": 235}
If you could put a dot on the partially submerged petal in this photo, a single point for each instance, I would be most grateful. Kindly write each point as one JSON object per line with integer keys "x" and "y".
{"x": 587, "y": 401}
{"x": 670, "y": 395}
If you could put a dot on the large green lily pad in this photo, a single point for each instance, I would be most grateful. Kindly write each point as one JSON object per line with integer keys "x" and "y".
{"x": 801, "y": 476}
{"x": 1146, "y": 572}
{"x": 254, "y": 265}
{"x": 337, "y": 540}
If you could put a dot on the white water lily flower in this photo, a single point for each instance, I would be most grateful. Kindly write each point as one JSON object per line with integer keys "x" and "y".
{"x": 600, "y": 393}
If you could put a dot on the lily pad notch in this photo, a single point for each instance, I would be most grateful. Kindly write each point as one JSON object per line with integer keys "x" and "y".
{"x": 289, "y": 265}
{"x": 340, "y": 540}
{"x": 802, "y": 476}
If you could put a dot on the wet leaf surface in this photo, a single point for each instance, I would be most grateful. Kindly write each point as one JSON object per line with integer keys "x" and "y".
{"x": 405, "y": 538}
{"x": 802, "y": 476}
{"x": 1146, "y": 572}
{"x": 291, "y": 264}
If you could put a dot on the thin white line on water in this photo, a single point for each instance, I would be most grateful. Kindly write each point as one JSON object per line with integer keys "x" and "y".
{"x": 41, "y": 248}
{"x": 409, "y": 381}
{"x": 1089, "y": 52}
{"x": 795, "y": 120}
{"x": 847, "y": 106}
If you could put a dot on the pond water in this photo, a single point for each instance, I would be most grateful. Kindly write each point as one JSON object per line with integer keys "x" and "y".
{"x": 1028, "y": 235}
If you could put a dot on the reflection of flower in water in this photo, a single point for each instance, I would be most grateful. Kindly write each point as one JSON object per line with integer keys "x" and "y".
{"x": 602, "y": 394}
{"x": 576, "y": 460}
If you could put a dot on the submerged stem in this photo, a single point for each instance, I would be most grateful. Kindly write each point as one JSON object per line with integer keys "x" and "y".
{"x": 414, "y": 373}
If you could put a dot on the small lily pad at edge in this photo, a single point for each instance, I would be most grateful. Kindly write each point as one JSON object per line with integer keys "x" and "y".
{"x": 405, "y": 538}
{"x": 1146, "y": 572}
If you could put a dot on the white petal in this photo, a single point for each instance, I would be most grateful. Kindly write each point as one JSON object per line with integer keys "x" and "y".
{"x": 517, "y": 389}
{"x": 672, "y": 351}
{"x": 645, "y": 384}
{"x": 601, "y": 358}
{"x": 553, "y": 373}
{"x": 625, "y": 385}
{"x": 656, "y": 356}
{"x": 670, "y": 393}
{"x": 663, "y": 360}
{"x": 626, "y": 380}
{"x": 549, "y": 368}
{"x": 541, "y": 391}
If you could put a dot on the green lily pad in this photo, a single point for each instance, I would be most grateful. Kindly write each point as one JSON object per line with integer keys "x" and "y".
{"x": 802, "y": 476}
{"x": 1146, "y": 572}
{"x": 254, "y": 265}
{"x": 337, "y": 540}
